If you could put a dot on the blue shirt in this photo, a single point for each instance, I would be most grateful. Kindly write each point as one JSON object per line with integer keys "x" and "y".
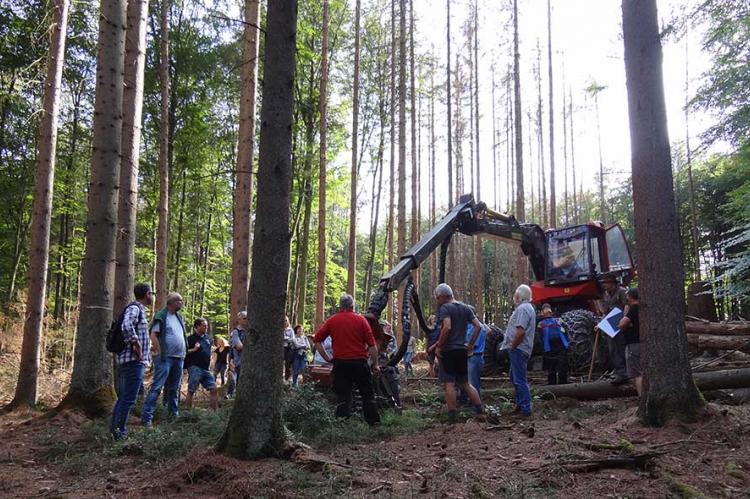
{"x": 237, "y": 337}
{"x": 202, "y": 357}
{"x": 172, "y": 341}
{"x": 479, "y": 344}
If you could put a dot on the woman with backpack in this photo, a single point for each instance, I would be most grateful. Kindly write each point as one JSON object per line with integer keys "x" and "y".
{"x": 556, "y": 342}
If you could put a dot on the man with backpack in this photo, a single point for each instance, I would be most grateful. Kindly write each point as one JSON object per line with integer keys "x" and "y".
{"x": 134, "y": 357}
{"x": 169, "y": 344}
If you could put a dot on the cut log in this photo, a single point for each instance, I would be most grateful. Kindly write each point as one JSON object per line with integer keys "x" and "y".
{"x": 735, "y": 328}
{"x": 718, "y": 342}
{"x": 728, "y": 379}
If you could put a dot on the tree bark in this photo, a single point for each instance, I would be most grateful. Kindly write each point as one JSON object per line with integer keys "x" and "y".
{"x": 449, "y": 116}
{"x": 255, "y": 427}
{"x": 162, "y": 234}
{"x": 521, "y": 262}
{"x": 320, "y": 294}
{"x": 243, "y": 194}
{"x": 576, "y": 210}
{"x": 26, "y": 388}
{"x": 132, "y": 107}
{"x": 731, "y": 328}
{"x": 414, "y": 232}
{"x": 668, "y": 389}
{"x": 552, "y": 197}
{"x": 719, "y": 342}
{"x": 352, "y": 261}
{"x": 714, "y": 380}
{"x": 91, "y": 380}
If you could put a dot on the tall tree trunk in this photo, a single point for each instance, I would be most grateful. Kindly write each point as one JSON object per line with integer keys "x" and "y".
{"x": 565, "y": 150}
{"x": 321, "y": 281}
{"x": 243, "y": 194}
{"x": 414, "y": 235}
{"x": 26, "y": 388}
{"x": 162, "y": 235}
{"x": 352, "y": 262}
{"x": 401, "y": 146}
{"x": 449, "y": 116}
{"x": 552, "y": 195}
{"x": 668, "y": 389}
{"x": 255, "y": 426}
{"x": 305, "y": 240}
{"x": 132, "y": 107}
{"x": 392, "y": 165}
{"x": 434, "y": 258}
{"x": 689, "y": 159}
{"x": 540, "y": 141}
{"x": 576, "y": 209}
{"x": 180, "y": 227}
{"x": 478, "y": 270}
{"x": 91, "y": 380}
{"x": 521, "y": 262}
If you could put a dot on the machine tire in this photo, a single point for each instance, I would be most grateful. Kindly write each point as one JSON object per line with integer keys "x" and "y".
{"x": 494, "y": 361}
{"x": 579, "y": 325}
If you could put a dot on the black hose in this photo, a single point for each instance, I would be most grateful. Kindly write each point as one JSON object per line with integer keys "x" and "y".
{"x": 405, "y": 322}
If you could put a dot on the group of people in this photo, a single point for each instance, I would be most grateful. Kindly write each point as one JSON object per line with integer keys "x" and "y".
{"x": 345, "y": 340}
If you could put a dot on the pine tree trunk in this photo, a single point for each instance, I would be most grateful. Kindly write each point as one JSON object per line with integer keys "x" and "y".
{"x": 414, "y": 232}
{"x": 565, "y": 151}
{"x": 162, "y": 234}
{"x": 573, "y": 157}
{"x": 521, "y": 262}
{"x": 668, "y": 389}
{"x": 478, "y": 270}
{"x": 132, "y": 107}
{"x": 180, "y": 228}
{"x": 392, "y": 165}
{"x": 352, "y": 261}
{"x": 91, "y": 380}
{"x": 243, "y": 194}
{"x": 321, "y": 279}
{"x": 255, "y": 427}
{"x": 434, "y": 258}
{"x": 26, "y": 388}
{"x": 449, "y": 116}
{"x": 552, "y": 195}
{"x": 301, "y": 294}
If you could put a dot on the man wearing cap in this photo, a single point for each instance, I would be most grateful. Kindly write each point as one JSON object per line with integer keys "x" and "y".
{"x": 615, "y": 296}
{"x": 353, "y": 343}
{"x": 169, "y": 346}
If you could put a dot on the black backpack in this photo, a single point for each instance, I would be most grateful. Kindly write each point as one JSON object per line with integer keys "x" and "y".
{"x": 115, "y": 337}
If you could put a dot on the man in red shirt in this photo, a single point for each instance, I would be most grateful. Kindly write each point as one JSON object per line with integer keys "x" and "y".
{"x": 352, "y": 342}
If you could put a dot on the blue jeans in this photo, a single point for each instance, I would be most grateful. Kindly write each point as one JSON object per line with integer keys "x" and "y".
{"x": 167, "y": 375}
{"x": 129, "y": 380}
{"x": 298, "y": 367}
{"x": 475, "y": 363}
{"x": 518, "y": 367}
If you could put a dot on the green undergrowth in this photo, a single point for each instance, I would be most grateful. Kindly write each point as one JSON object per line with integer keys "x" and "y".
{"x": 308, "y": 416}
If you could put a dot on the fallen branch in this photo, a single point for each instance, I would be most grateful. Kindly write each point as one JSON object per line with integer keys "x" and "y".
{"x": 714, "y": 380}
{"x": 718, "y": 342}
{"x": 638, "y": 461}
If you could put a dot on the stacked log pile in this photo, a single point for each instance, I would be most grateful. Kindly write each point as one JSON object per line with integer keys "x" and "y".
{"x": 732, "y": 335}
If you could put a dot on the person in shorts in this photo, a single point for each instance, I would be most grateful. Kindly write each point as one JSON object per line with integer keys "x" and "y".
{"x": 630, "y": 326}
{"x": 197, "y": 362}
{"x": 452, "y": 350}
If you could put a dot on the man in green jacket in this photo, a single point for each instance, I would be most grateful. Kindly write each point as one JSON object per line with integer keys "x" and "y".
{"x": 169, "y": 346}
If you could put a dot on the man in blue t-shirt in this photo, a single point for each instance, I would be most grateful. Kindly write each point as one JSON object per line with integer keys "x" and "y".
{"x": 452, "y": 350}
{"x": 198, "y": 361}
{"x": 475, "y": 362}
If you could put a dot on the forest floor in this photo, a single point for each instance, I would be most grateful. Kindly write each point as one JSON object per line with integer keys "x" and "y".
{"x": 412, "y": 454}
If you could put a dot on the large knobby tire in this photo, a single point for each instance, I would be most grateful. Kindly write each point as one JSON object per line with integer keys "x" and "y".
{"x": 579, "y": 325}
{"x": 494, "y": 361}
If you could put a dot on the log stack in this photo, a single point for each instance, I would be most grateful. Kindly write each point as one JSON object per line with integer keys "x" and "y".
{"x": 731, "y": 335}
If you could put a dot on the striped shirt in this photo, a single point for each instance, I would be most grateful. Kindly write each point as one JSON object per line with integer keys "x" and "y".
{"x": 135, "y": 330}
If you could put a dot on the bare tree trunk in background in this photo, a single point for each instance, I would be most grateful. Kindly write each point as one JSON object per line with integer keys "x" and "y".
{"x": 26, "y": 388}
{"x": 414, "y": 232}
{"x": 401, "y": 245}
{"x": 449, "y": 116}
{"x": 668, "y": 387}
{"x": 392, "y": 171}
{"x": 132, "y": 109}
{"x": 352, "y": 261}
{"x": 540, "y": 141}
{"x": 565, "y": 150}
{"x": 243, "y": 191}
{"x": 91, "y": 380}
{"x": 552, "y": 195}
{"x": 573, "y": 156}
{"x": 321, "y": 281}
{"x": 689, "y": 159}
{"x": 255, "y": 427}
{"x": 162, "y": 235}
{"x": 434, "y": 257}
{"x": 305, "y": 241}
{"x": 478, "y": 270}
{"x": 180, "y": 227}
{"x": 521, "y": 262}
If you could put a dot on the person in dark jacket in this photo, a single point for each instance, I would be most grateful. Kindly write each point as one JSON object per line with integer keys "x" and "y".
{"x": 555, "y": 342}
{"x": 198, "y": 361}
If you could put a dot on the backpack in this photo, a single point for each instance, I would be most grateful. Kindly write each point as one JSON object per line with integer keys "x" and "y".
{"x": 115, "y": 337}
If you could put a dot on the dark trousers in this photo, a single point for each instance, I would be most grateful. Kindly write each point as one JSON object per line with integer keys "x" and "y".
{"x": 616, "y": 351}
{"x": 346, "y": 375}
{"x": 556, "y": 364}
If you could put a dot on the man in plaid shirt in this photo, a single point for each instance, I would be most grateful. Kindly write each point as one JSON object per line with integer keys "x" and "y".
{"x": 134, "y": 359}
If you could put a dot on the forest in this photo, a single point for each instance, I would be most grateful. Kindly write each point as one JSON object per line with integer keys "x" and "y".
{"x": 270, "y": 157}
